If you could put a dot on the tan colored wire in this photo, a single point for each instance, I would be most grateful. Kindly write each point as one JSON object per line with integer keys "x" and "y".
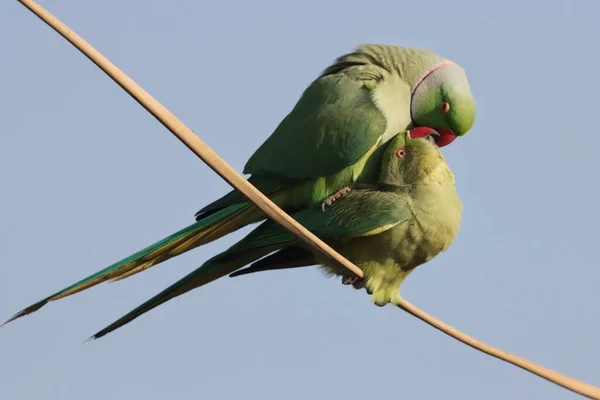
{"x": 225, "y": 171}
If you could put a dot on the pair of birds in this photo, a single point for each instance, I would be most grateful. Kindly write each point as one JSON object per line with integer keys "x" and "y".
{"x": 366, "y": 175}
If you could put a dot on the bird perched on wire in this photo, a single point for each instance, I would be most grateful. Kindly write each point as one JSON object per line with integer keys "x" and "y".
{"x": 338, "y": 132}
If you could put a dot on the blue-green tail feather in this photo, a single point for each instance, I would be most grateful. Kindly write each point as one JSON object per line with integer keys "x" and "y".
{"x": 203, "y": 231}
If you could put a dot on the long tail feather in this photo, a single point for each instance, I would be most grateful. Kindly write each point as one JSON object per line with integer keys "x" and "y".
{"x": 292, "y": 257}
{"x": 213, "y": 269}
{"x": 206, "y": 230}
{"x": 204, "y": 236}
{"x": 267, "y": 183}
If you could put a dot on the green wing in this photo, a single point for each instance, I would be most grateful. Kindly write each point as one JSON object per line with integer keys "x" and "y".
{"x": 359, "y": 213}
{"x": 332, "y": 126}
{"x": 267, "y": 184}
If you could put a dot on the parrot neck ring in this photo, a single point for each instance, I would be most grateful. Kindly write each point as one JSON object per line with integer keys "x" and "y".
{"x": 430, "y": 71}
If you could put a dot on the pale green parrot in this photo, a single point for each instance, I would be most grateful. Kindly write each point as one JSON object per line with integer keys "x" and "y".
{"x": 408, "y": 217}
{"x": 331, "y": 142}
{"x": 411, "y": 215}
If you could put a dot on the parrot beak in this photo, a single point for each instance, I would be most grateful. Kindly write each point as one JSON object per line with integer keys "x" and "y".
{"x": 422, "y": 132}
{"x": 446, "y": 137}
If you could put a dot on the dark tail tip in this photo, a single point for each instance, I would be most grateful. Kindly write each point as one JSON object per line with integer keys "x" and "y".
{"x": 11, "y": 319}
{"x": 96, "y": 336}
{"x": 32, "y": 308}
{"x": 91, "y": 338}
{"x": 237, "y": 273}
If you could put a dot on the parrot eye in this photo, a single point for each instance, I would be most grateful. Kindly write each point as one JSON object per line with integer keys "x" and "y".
{"x": 444, "y": 107}
{"x": 400, "y": 152}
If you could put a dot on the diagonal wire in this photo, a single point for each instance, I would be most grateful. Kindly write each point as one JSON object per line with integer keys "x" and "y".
{"x": 225, "y": 171}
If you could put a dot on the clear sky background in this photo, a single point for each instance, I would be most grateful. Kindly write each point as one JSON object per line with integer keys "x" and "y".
{"x": 89, "y": 177}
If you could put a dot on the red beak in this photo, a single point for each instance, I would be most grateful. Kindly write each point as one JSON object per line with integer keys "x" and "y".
{"x": 421, "y": 131}
{"x": 446, "y": 137}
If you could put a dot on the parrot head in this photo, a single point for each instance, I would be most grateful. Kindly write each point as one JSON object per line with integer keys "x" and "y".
{"x": 442, "y": 99}
{"x": 439, "y": 95}
{"x": 410, "y": 157}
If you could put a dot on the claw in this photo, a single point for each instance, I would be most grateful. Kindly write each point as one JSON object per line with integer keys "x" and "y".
{"x": 357, "y": 283}
{"x": 349, "y": 280}
{"x": 336, "y": 196}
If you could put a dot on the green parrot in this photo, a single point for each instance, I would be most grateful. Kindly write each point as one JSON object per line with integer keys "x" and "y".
{"x": 411, "y": 215}
{"x": 331, "y": 142}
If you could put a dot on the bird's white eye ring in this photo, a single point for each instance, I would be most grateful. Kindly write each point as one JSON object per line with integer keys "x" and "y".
{"x": 400, "y": 152}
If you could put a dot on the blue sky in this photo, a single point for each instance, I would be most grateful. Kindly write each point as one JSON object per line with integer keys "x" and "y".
{"x": 89, "y": 177}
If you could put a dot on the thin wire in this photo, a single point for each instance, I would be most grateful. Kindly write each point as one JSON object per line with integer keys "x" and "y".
{"x": 225, "y": 171}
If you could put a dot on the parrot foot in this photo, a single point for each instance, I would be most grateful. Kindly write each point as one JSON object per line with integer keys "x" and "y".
{"x": 357, "y": 283}
{"x": 348, "y": 280}
{"x": 336, "y": 196}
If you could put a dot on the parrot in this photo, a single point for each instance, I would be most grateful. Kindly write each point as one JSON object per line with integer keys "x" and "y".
{"x": 331, "y": 142}
{"x": 408, "y": 217}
